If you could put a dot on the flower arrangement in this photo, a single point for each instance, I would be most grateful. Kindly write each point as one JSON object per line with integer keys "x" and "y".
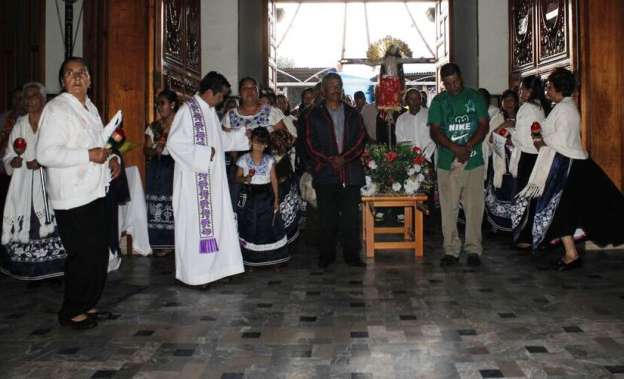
{"x": 401, "y": 170}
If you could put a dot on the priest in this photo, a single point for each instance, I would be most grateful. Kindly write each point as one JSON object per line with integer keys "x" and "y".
{"x": 206, "y": 238}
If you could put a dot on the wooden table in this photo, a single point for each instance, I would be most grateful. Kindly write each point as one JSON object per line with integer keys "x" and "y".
{"x": 412, "y": 228}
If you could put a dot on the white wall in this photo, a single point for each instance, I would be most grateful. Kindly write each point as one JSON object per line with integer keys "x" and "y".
{"x": 219, "y": 38}
{"x": 493, "y": 45}
{"x": 55, "y": 42}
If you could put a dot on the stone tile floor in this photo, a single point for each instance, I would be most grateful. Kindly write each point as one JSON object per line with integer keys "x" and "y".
{"x": 398, "y": 318}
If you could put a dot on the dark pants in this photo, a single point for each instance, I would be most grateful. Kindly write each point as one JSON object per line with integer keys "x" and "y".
{"x": 338, "y": 211}
{"x": 85, "y": 233}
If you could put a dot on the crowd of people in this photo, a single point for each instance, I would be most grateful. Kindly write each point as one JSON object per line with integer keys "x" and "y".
{"x": 223, "y": 177}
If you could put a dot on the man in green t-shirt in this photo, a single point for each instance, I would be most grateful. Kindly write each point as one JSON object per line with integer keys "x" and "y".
{"x": 458, "y": 122}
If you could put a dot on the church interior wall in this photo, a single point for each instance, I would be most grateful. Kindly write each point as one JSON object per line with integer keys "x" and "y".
{"x": 493, "y": 45}
{"x": 465, "y": 42}
{"x": 251, "y": 40}
{"x": 219, "y": 39}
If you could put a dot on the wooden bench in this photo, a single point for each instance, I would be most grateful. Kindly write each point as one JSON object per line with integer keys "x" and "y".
{"x": 412, "y": 228}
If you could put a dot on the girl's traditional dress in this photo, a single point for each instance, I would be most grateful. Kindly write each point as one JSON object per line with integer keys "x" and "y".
{"x": 569, "y": 190}
{"x": 261, "y": 230}
{"x": 499, "y": 184}
{"x": 521, "y": 164}
{"x": 291, "y": 204}
{"x": 32, "y": 249}
{"x": 159, "y": 175}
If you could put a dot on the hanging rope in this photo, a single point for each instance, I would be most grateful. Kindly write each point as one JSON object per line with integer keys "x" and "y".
{"x": 289, "y": 25}
{"x": 77, "y": 27}
{"x": 367, "y": 27}
{"x": 58, "y": 14}
{"x": 344, "y": 32}
{"x": 418, "y": 30}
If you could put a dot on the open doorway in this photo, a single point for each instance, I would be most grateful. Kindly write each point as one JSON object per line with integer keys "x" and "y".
{"x": 310, "y": 38}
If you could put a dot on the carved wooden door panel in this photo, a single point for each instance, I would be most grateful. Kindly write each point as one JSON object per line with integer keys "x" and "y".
{"x": 541, "y": 36}
{"x": 553, "y": 27}
{"x": 178, "y": 46}
{"x": 443, "y": 34}
{"x": 522, "y": 32}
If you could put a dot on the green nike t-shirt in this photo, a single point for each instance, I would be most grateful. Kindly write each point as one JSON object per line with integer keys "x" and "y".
{"x": 458, "y": 117}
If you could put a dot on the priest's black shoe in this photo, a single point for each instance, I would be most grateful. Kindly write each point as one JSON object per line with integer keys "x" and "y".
{"x": 87, "y": 323}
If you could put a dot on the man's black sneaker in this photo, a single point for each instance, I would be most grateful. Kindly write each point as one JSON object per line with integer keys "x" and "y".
{"x": 448, "y": 260}
{"x": 473, "y": 260}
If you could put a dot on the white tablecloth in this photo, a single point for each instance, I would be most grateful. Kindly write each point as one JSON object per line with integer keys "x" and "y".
{"x": 133, "y": 215}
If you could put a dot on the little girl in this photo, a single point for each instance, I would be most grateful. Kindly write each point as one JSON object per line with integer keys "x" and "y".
{"x": 260, "y": 227}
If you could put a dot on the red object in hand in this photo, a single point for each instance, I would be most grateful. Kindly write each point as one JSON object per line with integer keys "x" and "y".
{"x": 503, "y": 132}
{"x": 252, "y": 171}
{"x": 19, "y": 145}
{"x": 536, "y": 129}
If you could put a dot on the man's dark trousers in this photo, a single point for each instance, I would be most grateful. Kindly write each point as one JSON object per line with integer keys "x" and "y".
{"x": 338, "y": 211}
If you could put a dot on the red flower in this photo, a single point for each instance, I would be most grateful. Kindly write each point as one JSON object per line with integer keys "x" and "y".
{"x": 391, "y": 156}
{"x": 503, "y": 132}
{"x": 19, "y": 145}
{"x": 536, "y": 128}
{"x": 416, "y": 150}
{"x": 419, "y": 160}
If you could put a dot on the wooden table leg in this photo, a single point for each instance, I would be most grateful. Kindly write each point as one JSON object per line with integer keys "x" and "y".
{"x": 407, "y": 222}
{"x": 418, "y": 232}
{"x": 370, "y": 230}
{"x": 363, "y": 216}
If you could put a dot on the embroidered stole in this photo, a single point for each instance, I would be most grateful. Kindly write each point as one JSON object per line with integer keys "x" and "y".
{"x": 207, "y": 240}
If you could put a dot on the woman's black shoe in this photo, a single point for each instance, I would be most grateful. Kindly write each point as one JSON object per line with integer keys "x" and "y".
{"x": 87, "y": 323}
{"x": 562, "y": 266}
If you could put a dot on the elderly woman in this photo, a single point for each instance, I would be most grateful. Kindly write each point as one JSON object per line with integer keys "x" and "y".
{"x": 252, "y": 114}
{"x": 563, "y": 179}
{"x": 32, "y": 247}
{"x": 71, "y": 147}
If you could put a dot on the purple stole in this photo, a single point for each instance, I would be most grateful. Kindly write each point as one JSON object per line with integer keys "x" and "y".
{"x": 207, "y": 240}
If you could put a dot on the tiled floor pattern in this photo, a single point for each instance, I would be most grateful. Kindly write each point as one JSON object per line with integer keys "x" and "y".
{"x": 398, "y": 318}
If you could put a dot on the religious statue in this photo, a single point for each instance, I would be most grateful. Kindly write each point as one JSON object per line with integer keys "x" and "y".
{"x": 390, "y": 54}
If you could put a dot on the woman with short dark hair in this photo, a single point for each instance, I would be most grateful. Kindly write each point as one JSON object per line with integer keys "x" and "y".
{"x": 562, "y": 179}
{"x": 71, "y": 147}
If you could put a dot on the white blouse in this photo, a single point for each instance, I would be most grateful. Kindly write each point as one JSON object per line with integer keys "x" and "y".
{"x": 526, "y": 116}
{"x": 262, "y": 173}
{"x": 562, "y": 130}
